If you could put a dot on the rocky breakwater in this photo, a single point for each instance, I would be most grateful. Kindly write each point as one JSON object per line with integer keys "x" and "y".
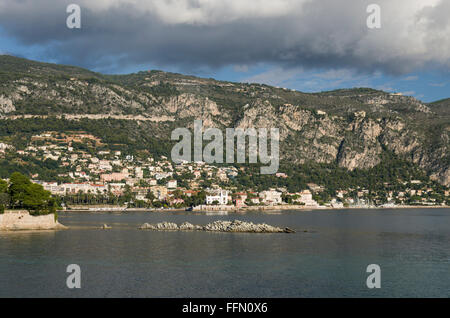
{"x": 22, "y": 220}
{"x": 235, "y": 226}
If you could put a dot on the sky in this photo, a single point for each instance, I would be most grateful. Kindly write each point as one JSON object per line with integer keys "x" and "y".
{"x": 306, "y": 45}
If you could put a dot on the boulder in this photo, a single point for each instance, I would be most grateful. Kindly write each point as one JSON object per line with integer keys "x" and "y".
{"x": 164, "y": 226}
{"x": 235, "y": 226}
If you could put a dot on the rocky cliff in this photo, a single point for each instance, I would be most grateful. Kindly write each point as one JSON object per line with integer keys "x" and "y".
{"x": 349, "y": 127}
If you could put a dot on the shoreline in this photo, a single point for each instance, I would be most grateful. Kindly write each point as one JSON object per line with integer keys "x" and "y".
{"x": 251, "y": 209}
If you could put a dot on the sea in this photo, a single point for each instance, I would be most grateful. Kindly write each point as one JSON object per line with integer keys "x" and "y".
{"x": 328, "y": 256}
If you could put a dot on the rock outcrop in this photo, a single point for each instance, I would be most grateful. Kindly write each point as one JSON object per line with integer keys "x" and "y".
{"x": 164, "y": 226}
{"x": 22, "y": 220}
{"x": 350, "y": 127}
{"x": 235, "y": 226}
{"x": 6, "y": 105}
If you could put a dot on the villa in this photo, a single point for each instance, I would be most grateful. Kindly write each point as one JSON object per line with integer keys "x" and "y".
{"x": 218, "y": 195}
{"x": 270, "y": 197}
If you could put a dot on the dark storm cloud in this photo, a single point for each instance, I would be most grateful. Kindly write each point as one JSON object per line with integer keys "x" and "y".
{"x": 208, "y": 33}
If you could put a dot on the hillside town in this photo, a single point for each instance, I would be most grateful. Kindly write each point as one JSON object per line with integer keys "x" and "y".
{"x": 113, "y": 178}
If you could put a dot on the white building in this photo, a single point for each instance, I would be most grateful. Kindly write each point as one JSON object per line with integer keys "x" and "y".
{"x": 306, "y": 198}
{"x": 53, "y": 187}
{"x": 219, "y": 195}
{"x": 163, "y": 175}
{"x": 105, "y": 165}
{"x": 139, "y": 173}
{"x": 270, "y": 197}
{"x": 172, "y": 184}
{"x": 4, "y": 147}
{"x": 336, "y": 204}
{"x": 51, "y": 156}
{"x": 74, "y": 188}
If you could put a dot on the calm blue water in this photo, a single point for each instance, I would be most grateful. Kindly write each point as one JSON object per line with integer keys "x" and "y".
{"x": 411, "y": 246}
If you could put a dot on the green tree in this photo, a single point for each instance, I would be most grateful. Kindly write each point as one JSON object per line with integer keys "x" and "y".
{"x": 18, "y": 189}
{"x": 4, "y": 196}
{"x": 25, "y": 194}
{"x": 150, "y": 196}
{"x": 3, "y": 186}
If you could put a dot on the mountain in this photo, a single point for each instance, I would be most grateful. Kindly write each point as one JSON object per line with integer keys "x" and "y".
{"x": 441, "y": 107}
{"x": 351, "y": 128}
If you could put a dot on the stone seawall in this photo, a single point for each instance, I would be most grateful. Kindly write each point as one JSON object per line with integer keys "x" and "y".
{"x": 22, "y": 220}
{"x": 214, "y": 208}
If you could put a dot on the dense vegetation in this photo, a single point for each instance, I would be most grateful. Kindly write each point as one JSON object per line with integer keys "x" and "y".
{"x": 392, "y": 174}
{"x": 124, "y": 135}
{"x": 21, "y": 193}
{"x": 59, "y": 89}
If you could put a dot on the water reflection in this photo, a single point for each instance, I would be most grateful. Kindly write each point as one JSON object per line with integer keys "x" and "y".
{"x": 328, "y": 260}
